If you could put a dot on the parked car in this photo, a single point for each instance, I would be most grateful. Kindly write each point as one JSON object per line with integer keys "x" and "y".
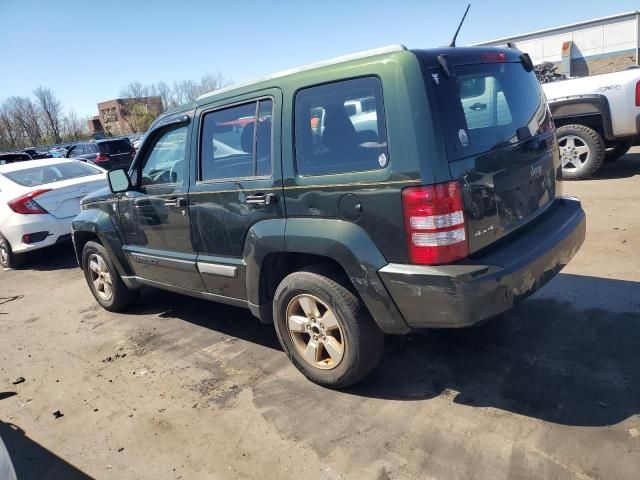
{"x": 38, "y": 200}
{"x": 108, "y": 153}
{"x": 36, "y": 154}
{"x": 597, "y": 119}
{"x": 58, "y": 152}
{"x": 11, "y": 157}
{"x": 443, "y": 213}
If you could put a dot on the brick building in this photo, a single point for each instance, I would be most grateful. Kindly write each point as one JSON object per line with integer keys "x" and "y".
{"x": 123, "y": 116}
{"x": 591, "y": 47}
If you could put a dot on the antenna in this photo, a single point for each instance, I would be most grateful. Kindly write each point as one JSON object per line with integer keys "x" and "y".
{"x": 455, "y": 35}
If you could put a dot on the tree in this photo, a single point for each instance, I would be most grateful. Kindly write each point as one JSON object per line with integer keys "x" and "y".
{"x": 135, "y": 90}
{"x": 51, "y": 110}
{"x": 164, "y": 92}
{"x": 24, "y": 113}
{"x": 74, "y": 127}
{"x": 7, "y": 128}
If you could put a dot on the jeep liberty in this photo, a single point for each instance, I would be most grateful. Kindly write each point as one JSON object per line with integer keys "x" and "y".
{"x": 372, "y": 194}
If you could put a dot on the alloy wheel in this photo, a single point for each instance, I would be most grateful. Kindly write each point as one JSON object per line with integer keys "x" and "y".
{"x": 315, "y": 331}
{"x": 4, "y": 253}
{"x": 100, "y": 277}
{"x": 574, "y": 152}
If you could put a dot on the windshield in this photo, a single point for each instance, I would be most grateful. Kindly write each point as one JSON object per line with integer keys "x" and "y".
{"x": 32, "y": 177}
{"x": 487, "y": 106}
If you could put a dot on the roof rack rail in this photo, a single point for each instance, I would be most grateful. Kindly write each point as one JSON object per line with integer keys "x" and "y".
{"x": 311, "y": 66}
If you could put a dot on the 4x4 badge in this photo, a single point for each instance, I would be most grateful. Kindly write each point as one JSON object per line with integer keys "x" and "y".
{"x": 464, "y": 139}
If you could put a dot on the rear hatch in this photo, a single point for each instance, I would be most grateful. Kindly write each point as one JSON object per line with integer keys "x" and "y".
{"x": 498, "y": 135}
{"x": 119, "y": 152}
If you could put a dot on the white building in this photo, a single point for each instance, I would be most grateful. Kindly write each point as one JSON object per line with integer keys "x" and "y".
{"x": 601, "y": 45}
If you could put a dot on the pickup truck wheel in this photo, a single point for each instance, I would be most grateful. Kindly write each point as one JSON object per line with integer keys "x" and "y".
{"x": 617, "y": 150}
{"x": 104, "y": 280}
{"x": 8, "y": 259}
{"x": 325, "y": 329}
{"x": 581, "y": 151}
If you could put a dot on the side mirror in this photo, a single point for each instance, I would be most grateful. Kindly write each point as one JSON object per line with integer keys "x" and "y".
{"x": 118, "y": 180}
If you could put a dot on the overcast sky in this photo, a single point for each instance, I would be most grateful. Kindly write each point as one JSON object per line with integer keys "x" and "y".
{"x": 86, "y": 53}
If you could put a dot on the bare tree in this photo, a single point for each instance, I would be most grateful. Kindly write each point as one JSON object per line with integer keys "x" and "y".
{"x": 164, "y": 92}
{"x": 74, "y": 127}
{"x": 185, "y": 91}
{"x": 135, "y": 90}
{"x": 51, "y": 110}
{"x": 8, "y": 128}
{"x": 24, "y": 113}
{"x": 212, "y": 81}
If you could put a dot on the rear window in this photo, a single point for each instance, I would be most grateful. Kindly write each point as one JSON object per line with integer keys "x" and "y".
{"x": 32, "y": 177}
{"x": 115, "y": 146}
{"x": 487, "y": 106}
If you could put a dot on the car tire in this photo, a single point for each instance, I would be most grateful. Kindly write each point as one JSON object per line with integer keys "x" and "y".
{"x": 8, "y": 259}
{"x": 581, "y": 151}
{"x": 325, "y": 329}
{"x": 104, "y": 280}
{"x": 617, "y": 150}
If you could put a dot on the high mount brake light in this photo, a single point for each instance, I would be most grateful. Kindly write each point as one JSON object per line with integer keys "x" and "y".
{"x": 26, "y": 204}
{"x": 493, "y": 57}
{"x": 435, "y": 224}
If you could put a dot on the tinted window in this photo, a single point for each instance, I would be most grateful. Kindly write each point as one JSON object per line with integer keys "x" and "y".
{"x": 31, "y": 177}
{"x": 487, "y": 106}
{"x": 115, "y": 146}
{"x": 330, "y": 138}
{"x": 165, "y": 163}
{"x": 91, "y": 148}
{"x": 232, "y": 146}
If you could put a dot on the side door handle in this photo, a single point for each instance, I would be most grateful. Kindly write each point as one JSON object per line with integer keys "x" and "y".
{"x": 478, "y": 106}
{"x": 261, "y": 199}
{"x": 175, "y": 202}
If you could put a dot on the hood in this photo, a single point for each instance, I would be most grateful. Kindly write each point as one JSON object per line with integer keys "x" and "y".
{"x": 101, "y": 195}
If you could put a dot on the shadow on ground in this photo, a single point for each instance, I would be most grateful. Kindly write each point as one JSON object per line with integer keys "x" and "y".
{"x": 56, "y": 257}
{"x": 547, "y": 359}
{"x": 625, "y": 167}
{"x": 32, "y": 461}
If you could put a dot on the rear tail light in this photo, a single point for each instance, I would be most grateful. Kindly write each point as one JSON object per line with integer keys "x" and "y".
{"x": 493, "y": 57}
{"x": 26, "y": 204}
{"x": 101, "y": 157}
{"x": 638, "y": 94}
{"x": 435, "y": 224}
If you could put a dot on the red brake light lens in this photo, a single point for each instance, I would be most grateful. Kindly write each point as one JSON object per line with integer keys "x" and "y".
{"x": 435, "y": 224}
{"x": 26, "y": 204}
{"x": 493, "y": 57}
{"x": 101, "y": 157}
{"x": 638, "y": 94}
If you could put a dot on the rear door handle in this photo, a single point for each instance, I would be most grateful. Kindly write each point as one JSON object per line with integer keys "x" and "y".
{"x": 478, "y": 106}
{"x": 261, "y": 199}
{"x": 174, "y": 202}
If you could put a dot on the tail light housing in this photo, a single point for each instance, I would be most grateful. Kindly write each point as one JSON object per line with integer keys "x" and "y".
{"x": 101, "y": 157}
{"x": 26, "y": 204}
{"x": 435, "y": 224}
{"x": 638, "y": 94}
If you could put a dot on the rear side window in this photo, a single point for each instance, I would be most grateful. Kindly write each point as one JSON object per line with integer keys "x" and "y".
{"x": 340, "y": 127}
{"x": 32, "y": 177}
{"x": 487, "y": 106}
{"x": 236, "y": 142}
{"x": 115, "y": 146}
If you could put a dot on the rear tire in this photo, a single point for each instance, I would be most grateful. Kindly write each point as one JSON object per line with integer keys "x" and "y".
{"x": 617, "y": 150}
{"x": 581, "y": 151}
{"x": 8, "y": 259}
{"x": 325, "y": 329}
{"x": 104, "y": 280}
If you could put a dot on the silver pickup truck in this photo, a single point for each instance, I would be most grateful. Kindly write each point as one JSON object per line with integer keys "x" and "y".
{"x": 597, "y": 119}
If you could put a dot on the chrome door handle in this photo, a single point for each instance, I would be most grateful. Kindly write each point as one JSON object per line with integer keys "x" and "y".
{"x": 261, "y": 199}
{"x": 174, "y": 202}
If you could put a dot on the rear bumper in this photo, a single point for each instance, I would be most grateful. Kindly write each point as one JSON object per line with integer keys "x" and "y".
{"x": 467, "y": 293}
{"x": 59, "y": 230}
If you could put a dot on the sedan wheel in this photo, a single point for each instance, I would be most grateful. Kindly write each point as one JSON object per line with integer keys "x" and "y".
{"x": 315, "y": 332}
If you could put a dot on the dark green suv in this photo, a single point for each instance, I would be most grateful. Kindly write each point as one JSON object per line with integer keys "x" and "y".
{"x": 377, "y": 193}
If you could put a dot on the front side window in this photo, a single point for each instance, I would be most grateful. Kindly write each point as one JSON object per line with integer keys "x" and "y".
{"x": 236, "y": 142}
{"x": 340, "y": 127}
{"x": 165, "y": 162}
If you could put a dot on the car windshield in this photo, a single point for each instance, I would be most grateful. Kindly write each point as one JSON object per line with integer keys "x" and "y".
{"x": 32, "y": 177}
{"x": 115, "y": 146}
{"x": 486, "y": 106}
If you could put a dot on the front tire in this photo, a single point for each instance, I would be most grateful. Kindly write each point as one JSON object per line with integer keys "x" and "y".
{"x": 325, "y": 329}
{"x": 581, "y": 151}
{"x": 8, "y": 259}
{"x": 104, "y": 280}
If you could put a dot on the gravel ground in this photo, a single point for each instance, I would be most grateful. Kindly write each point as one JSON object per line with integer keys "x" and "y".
{"x": 181, "y": 388}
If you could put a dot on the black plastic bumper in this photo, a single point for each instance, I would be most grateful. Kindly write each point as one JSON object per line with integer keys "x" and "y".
{"x": 467, "y": 293}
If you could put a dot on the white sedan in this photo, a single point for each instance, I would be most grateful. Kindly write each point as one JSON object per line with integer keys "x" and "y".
{"x": 38, "y": 200}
